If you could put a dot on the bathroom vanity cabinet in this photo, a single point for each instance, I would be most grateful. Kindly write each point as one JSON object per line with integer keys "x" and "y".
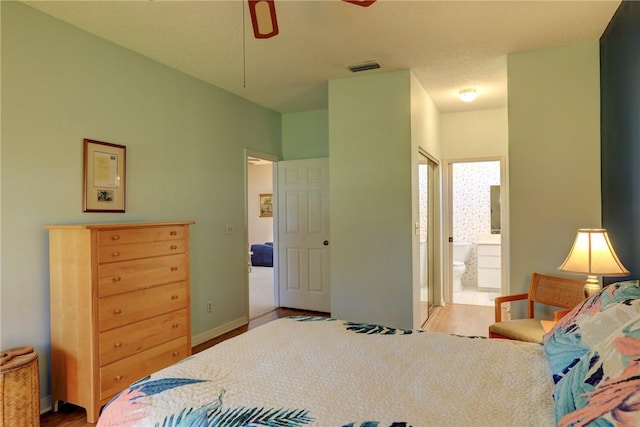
{"x": 489, "y": 262}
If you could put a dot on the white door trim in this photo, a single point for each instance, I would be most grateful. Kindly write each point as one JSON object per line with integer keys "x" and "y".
{"x": 447, "y": 199}
{"x": 275, "y": 159}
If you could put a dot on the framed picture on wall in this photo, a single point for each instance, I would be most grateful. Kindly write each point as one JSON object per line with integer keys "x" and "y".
{"x": 103, "y": 178}
{"x": 266, "y": 205}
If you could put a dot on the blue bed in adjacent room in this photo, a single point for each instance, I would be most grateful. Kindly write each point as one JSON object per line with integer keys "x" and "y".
{"x": 262, "y": 254}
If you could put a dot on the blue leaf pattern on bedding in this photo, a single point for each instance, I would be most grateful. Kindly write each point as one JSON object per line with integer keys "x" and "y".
{"x": 470, "y": 336}
{"x": 373, "y": 329}
{"x": 376, "y": 424}
{"x": 186, "y": 417}
{"x": 209, "y": 414}
{"x": 158, "y": 386}
{"x": 360, "y": 328}
{"x": 312, "y": 318}
{"x": 242, "y": 416}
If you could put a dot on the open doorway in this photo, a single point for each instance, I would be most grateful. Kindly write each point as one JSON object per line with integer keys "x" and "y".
{"x": 475, "y": 267}
{"x": 260, "y": 235}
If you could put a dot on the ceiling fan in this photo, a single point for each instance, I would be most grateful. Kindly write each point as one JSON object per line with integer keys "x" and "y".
{"x": 263, "y": 16}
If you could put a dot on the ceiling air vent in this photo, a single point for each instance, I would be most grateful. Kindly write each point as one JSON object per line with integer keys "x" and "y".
{"x": 369, "y": 65}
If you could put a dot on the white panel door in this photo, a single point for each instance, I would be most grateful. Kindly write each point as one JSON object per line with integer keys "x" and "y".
{"x": 303, "y": 234}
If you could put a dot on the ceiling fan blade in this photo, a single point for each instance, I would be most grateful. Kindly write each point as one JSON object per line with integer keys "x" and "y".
{"x": 263, "y": 18}
{"x": 363, "y": 3}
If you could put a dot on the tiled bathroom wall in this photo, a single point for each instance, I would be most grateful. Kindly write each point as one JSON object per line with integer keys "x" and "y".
{"x": 471, "y": 207}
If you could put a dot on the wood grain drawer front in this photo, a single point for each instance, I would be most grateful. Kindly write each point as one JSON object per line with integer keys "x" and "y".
{"x": 118, "y": 375}
{"x": 127, "y": 276}
{"x": 122, "y": 309}
{"x": 137, "y": 235}
{"x": 119, "y": 343}
{"x": 140, "y": 250}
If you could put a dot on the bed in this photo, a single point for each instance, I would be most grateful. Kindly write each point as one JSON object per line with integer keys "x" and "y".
{"x": 262, "y": 254}
{"x": 317, "y": 371}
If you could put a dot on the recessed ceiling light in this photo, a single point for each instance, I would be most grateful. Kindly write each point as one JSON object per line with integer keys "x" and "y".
{"x": 467, "y": 95}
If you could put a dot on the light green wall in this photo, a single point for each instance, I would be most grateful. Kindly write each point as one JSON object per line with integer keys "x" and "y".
{"x": 554, "y": 155}
{"x": 425, "y": 121}
{"x": 185, "y": 161}
{"x": 305, "y": 135}
{"x": 478, "y": 134}
{"x": 370, "y": 198}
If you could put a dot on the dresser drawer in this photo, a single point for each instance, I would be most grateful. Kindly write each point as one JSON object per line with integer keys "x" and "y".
{"x": 122, "y": 309}
{"x": 138, "y": 235}
{"x": 118, "y": 375}
{"x": 119, "y": 343}
{"x": 127, "y": 276}
{"x": 140, "y": 250}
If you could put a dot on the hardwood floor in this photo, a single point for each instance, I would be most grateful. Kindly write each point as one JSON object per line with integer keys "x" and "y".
{"x": 452, "y": 319}
{"x": 461, "y": 319}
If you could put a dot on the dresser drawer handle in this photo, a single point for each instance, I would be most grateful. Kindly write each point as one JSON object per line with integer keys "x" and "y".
{"x": 116, "y": 253}
{"x": 174, "y": 247}
{"x": 115, "y": 237}
{"x": 174, "y": 268}
{"x": 117, "y": 278}
{"x": 175, "y": 325}
{"x": 174, "y": 233}
{"x": 118, "y": 345}
{"x": 176, "y": 353}
{"x": 174, "y": 297}
{"x": 118, "y": 378}
{"x": 117, "y": 311}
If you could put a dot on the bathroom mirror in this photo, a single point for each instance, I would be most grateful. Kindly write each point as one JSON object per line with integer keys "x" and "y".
{"x": 495, "y": 209}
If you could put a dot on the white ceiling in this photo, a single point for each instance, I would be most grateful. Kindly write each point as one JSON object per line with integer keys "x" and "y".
{"x": 449, "y": 45}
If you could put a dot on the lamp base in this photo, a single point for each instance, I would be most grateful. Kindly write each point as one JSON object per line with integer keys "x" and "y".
{"x": 592, "y": 286}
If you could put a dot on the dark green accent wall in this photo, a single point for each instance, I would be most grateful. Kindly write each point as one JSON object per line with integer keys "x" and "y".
{"x": 620, "y": 127}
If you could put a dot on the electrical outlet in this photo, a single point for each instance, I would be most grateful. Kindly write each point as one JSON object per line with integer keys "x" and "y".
{"x": 209, "y": 306}
{"x": 228, "y": 229}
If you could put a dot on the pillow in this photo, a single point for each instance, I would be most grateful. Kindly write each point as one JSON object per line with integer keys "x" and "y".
{"x": 603, "y": 387}
{"x": 594, "y": 353}
{"x": 589, "y": 323}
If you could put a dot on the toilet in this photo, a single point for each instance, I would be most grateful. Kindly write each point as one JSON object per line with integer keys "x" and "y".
{"x": 461, "y": 255}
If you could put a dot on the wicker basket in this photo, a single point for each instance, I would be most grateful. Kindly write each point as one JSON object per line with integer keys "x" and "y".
{"x": 19, "y": 388}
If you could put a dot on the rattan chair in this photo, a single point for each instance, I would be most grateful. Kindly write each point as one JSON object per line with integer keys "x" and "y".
{"x": 550, "y": 290}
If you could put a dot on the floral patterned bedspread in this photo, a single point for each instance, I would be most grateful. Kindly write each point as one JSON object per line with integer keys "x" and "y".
{"x": 311, "y": 371}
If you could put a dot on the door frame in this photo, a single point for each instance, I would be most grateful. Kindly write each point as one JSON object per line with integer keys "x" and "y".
{"x": 434, "y": 270}
{"x": 447, "y": 201}
{"x": 274, "y": 176}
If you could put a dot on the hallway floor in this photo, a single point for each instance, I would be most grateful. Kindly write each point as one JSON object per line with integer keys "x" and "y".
{"x": 472, "y": 296}
{"x": 461, "y": 319}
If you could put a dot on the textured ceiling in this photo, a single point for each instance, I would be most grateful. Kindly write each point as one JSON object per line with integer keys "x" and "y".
{"x": 449, "y": 45}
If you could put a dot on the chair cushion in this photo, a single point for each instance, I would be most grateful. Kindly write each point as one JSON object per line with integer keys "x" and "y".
{"x": 594, "y": 353}
{"x": 529, "y": 330}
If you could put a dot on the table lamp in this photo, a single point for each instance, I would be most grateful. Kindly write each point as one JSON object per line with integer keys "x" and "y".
{"x": 593, "y": 255}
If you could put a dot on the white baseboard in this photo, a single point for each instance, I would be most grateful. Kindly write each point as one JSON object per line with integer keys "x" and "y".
{"x": 45, "y": 404}
{"x": 216, "y": 332}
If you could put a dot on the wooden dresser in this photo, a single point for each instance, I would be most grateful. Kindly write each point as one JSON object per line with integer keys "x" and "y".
{"x": 120, "y": 307}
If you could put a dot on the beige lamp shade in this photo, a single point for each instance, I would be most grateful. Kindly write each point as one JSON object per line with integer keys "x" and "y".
{"x": 593, "y": 255}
